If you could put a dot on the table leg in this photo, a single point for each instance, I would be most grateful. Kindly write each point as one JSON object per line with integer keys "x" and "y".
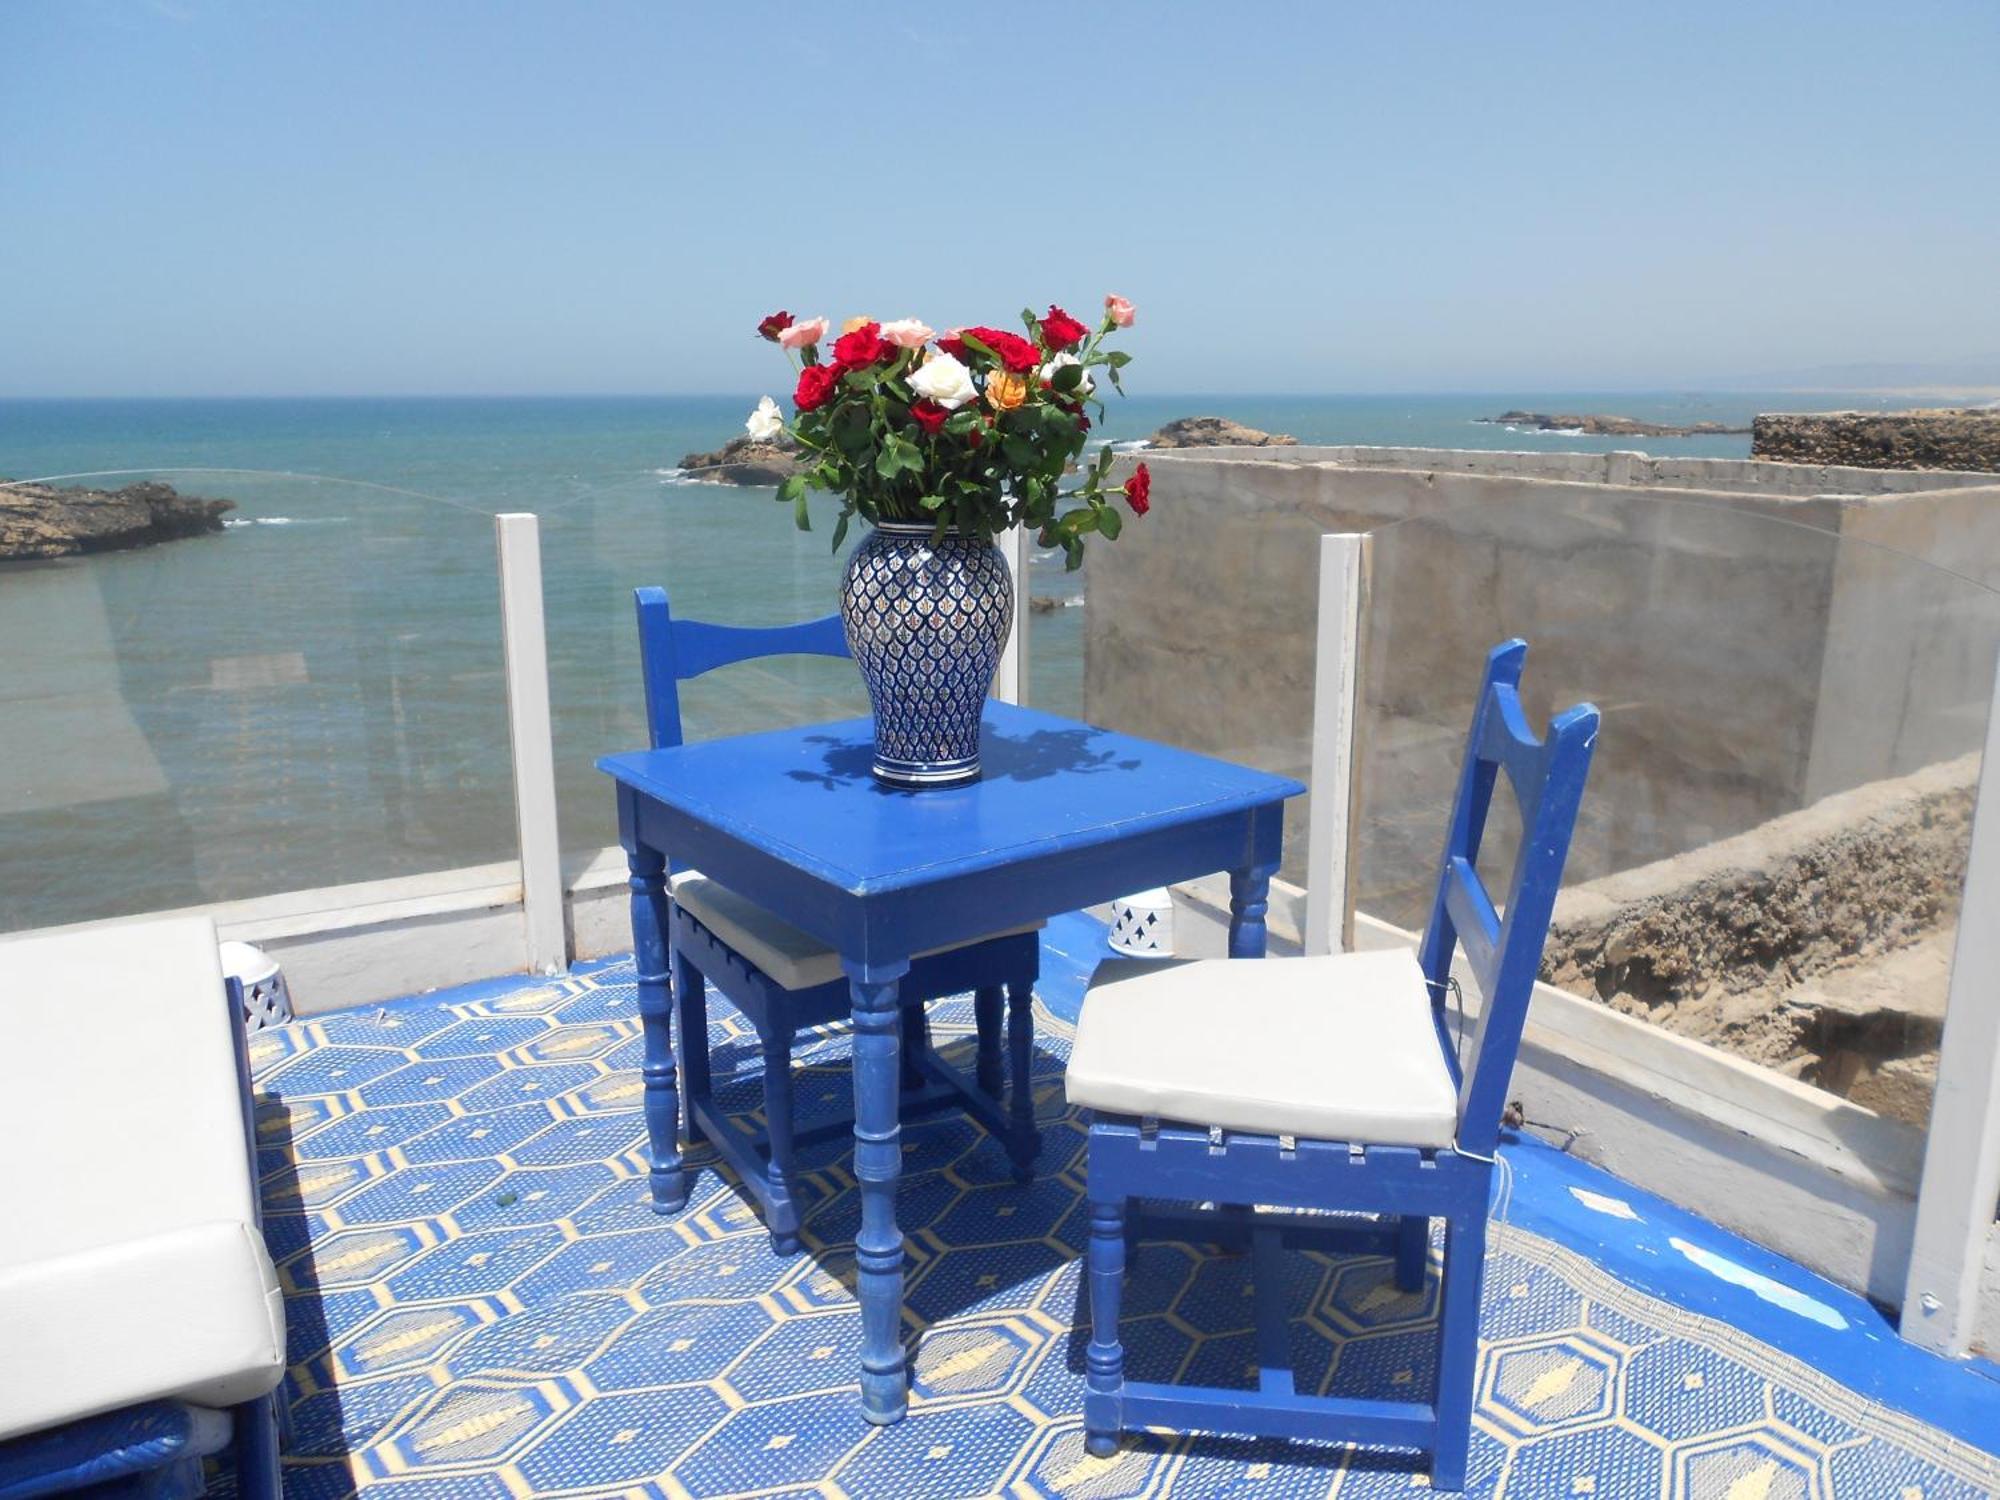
{"x": 986, "y": 1016}
{"x": 878, "y": 1164}
{"x": 649, "y": 955}
{"x": 1249, "y": 899}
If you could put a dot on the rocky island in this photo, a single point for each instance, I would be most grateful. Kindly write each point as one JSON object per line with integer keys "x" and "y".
{"x": 1216, "y": 432}
{"x": 42, "y": 521}
{"x": 1603, "y": 426}
{"x": 745, "y": 460}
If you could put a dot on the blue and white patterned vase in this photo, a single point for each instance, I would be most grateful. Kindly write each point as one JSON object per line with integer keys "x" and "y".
{"x": 926, "y": 623}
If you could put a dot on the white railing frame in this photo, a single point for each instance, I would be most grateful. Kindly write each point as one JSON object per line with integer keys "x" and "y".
{"x": 1961, "y": 1179}
{"x": 531, "y": 731}
{"x": 1338, "y": 656}
{"x": 1010, "y": 683}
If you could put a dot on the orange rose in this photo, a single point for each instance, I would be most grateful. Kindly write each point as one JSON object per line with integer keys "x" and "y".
{"x": 853, "y": 323}
{"x": 1006, "y": 389}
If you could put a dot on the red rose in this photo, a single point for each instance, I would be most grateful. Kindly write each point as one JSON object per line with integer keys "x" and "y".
{"x": 1139, "y": 491}
{"x": 774, "y": 325}
{"x": 861, "y": 348}
{"x": 1060, "y": 331}
{"x": 929, "y": 415}
{"x": 816, "y": 385}
{"x": 1015, "y": 352}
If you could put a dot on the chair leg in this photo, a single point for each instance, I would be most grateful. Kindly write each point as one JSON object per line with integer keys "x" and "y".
{"x": 257, "y": 1466}
{"x": 986, "y": 1003}
{"x": 1103, "y": 1403}
{"x": 1024, "y": 1142}
{"x": 663, "y": 1104}
{"x": 691, "y": 993}
{"x": 1458, "y": 1347}
{"x": 1413, "y": 1250}
{"x": 784, "y": 1208}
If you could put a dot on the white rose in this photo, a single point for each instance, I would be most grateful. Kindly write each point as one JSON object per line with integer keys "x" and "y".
{"x": 766, "y": 422}
{"x": 945, "y": 381}
{"x": 1083, "y": 386}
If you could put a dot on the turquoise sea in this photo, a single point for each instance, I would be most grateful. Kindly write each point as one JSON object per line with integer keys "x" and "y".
{"x": 314, "y": 696}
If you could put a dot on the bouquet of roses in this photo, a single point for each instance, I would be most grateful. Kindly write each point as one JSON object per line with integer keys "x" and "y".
{"x": 973, "y": 429}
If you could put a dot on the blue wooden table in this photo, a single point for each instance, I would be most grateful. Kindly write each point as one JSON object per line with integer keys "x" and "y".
{"x": 1065, "y": 815}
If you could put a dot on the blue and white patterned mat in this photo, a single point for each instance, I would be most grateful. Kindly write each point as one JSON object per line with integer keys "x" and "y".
{"x": 482, "y": 1304}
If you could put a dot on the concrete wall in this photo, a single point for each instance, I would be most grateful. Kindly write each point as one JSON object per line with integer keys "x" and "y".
{"x": 1745, "y": 666}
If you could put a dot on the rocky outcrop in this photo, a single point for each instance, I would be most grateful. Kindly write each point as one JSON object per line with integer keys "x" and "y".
{"x": 744, "y": 460}
{"x": 1216, "y": 432}
{"x": 41, "y": 521}
{"x": 1965, "y": 438}
{"x": 1603, "y": 426}
{"x": 1817, "y": 944}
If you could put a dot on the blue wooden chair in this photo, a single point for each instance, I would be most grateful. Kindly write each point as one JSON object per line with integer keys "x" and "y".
{"x": 1329, "y": 1085}
{"x": 784, "y": 980}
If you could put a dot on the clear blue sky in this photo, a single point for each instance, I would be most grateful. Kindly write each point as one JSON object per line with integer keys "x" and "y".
{"x": 205, "y": 197}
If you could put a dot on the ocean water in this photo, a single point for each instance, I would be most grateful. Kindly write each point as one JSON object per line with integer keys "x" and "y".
{"x": 314, "y": 697}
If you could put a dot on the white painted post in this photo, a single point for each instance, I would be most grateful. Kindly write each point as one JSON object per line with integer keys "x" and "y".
{"x": 1338, "y": 656}
{"x": 529, "y": 727}
{"x": 1010, "y": 683}
{"x": 1961, "y": 1181}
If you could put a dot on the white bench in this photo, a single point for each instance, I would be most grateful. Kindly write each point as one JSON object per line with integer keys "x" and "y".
{"x": 133, "y": 1270}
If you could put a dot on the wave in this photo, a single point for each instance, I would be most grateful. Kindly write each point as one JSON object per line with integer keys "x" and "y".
{"x": 286, "y": 521}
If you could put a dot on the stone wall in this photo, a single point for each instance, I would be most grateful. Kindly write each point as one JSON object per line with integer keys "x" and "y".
{"x": 1745, "y": 666}
{"x": 1938, "y": 439}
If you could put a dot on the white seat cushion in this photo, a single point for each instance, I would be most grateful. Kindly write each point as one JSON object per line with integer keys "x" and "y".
{"x": 1336, "y": 1049}
{"x": 193, "y": 1313}
{"x": 129, "y": 1265}
{"x": 796, "y": 959}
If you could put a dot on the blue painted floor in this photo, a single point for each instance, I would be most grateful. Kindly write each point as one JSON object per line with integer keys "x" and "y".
{"x": 482, "y": 1303}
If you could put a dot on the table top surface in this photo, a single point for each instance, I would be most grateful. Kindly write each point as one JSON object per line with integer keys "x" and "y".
{"x": 1050, "y": 785}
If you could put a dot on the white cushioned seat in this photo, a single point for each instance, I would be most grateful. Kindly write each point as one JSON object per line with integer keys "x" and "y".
{"x": 131, "y": 1268}
{"x": 797, "y": 960}
{"x": 1340, "y": 1048}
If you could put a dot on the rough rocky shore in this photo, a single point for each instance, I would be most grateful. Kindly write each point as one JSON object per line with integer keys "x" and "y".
{"x": 744, "y": 460}
{"x": 1216, "y": 432}
{"x": 1817, "y": 944}
{"x": 1604, "y": 426}
{"x": 1965, "y": 438}
{"x": 41, "y": 521}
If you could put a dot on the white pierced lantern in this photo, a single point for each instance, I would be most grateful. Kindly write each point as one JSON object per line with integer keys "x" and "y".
{"x": 1142, "y": 926}
{"x": 267, "y": 1000}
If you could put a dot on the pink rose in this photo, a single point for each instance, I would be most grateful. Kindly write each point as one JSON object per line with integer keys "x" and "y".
{"x": 907, "y": 333}
{"x": 800, "y": 334}
{"x": 1119, "y": 311}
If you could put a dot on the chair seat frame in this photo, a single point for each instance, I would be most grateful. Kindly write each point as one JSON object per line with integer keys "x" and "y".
{"x": 1213, "y": 1177}
{"x": 766, "y": 1160}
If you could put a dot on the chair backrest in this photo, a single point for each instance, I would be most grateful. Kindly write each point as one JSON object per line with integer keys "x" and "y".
{"x": 1503, "y": 947}
{"x": 671, "y": 651}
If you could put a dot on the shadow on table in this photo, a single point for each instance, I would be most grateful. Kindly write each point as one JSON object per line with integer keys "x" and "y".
{"x": 1028, "y": 757}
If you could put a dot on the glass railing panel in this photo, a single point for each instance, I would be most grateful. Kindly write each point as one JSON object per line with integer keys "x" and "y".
{"x": 724, "y": 553}
{"x": 310, "y": 695}
{"x": 1770, "y": 856}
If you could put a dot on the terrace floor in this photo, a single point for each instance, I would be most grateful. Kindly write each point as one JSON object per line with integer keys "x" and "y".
{"x": 482, "y": 1303}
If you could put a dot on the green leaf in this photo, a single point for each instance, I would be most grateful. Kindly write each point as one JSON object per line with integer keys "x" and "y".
{"x": 793, "y": 487}
{"x": 1118, "y": 359}
{"x": 1068, "y": 378}
{"x": 1110, "y": 523}
{"x": 840, "y": 531}
{"x": 800, "y": 518}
